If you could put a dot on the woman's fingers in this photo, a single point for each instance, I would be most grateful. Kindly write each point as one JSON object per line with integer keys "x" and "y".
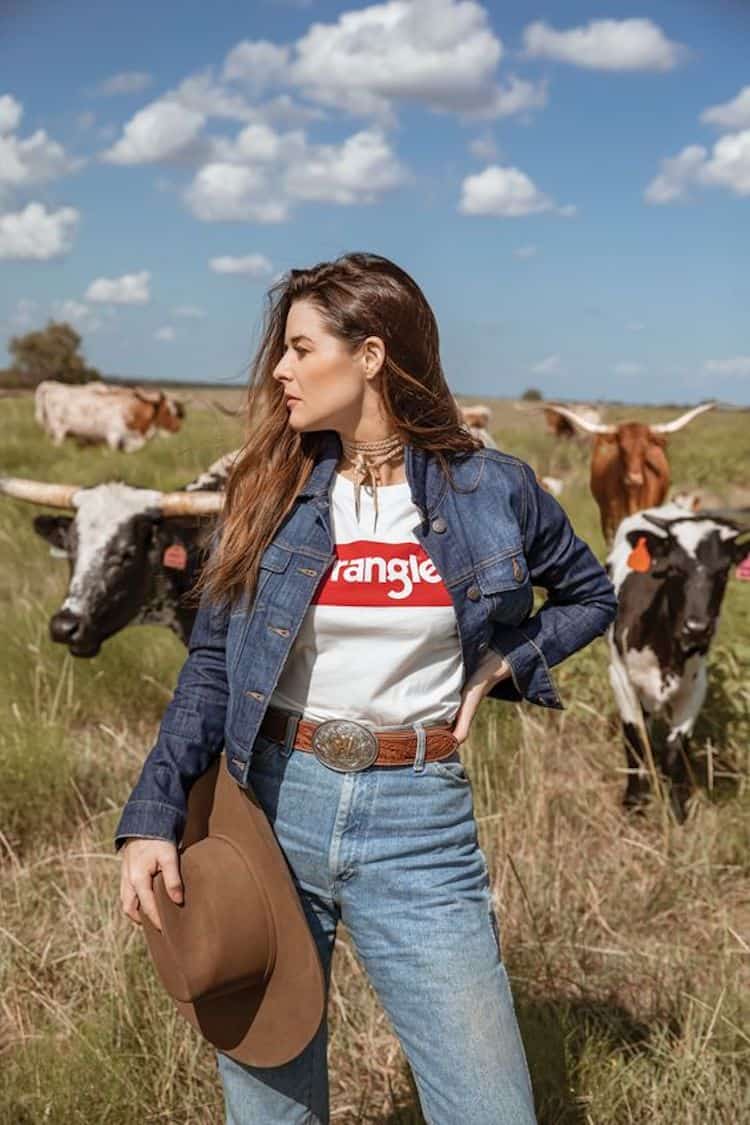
{"x": 171, "y": 875}
{"x": 143, "y": 889}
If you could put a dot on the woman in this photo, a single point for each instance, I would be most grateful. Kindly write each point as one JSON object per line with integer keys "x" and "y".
{"x": 373, "y": 572}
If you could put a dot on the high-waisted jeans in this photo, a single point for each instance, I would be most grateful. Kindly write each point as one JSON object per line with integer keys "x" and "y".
{"x": 392, "y": 852}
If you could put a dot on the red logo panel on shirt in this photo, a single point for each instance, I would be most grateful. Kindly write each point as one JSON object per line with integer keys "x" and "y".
{"x": 372, "y": 573}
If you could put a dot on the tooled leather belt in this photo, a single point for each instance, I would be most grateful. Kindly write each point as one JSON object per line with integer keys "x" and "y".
{"x": 343, "y": 744}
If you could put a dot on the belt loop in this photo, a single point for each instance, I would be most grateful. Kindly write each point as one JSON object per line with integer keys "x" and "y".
{"x": 421, "y": 746}
{"x": 292, "y": 722}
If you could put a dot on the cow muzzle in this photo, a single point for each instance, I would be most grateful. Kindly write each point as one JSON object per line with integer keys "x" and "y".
{"x": 66, "y": 628}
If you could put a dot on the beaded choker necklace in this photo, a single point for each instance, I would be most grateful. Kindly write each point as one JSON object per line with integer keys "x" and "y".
{"x": 366, "y": 458}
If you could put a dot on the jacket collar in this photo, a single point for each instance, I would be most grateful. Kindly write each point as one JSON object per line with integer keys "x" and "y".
{"x": 331, "y": 449}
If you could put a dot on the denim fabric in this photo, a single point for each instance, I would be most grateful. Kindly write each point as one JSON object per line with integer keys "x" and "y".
{"x": 492, "y": 534}
{"x": 393, "y": 854}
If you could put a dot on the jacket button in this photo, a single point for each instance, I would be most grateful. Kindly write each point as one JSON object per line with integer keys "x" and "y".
{"x": 474, "y": 593}
{"x": 439, "y": 524}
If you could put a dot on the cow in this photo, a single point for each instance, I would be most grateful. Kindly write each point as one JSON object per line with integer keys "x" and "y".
{"x": 477, "y": 419}
{"x": 669, "y": 567}
{"x": 123, "y": 417}
{"x": 629, "y": 468}
{"x": 133, "y": 552}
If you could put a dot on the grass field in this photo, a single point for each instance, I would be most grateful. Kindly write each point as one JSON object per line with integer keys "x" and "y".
{"x": 626, "y": 940}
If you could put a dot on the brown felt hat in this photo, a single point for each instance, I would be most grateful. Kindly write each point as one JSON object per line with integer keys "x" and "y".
{"x": 237, "y": 955}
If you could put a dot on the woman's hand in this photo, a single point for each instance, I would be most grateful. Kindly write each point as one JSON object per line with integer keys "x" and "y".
{"x": 142, "y": 859}
{"x": 493, "y": 668}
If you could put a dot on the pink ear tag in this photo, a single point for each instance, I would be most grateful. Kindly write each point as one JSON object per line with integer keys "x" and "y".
{"x": 175, "y": 556}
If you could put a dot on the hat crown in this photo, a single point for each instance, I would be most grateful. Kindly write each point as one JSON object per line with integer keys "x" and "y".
{"x": 221, "y": 937}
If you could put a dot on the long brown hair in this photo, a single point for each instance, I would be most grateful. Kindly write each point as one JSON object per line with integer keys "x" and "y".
{"x": 357, "y": 295}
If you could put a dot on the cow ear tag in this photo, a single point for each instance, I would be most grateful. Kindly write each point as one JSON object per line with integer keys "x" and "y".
{"x": 175, "y": 556}
{"x": 639, "y": 558}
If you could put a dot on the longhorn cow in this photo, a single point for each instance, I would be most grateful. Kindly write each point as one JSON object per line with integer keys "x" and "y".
{"x": 133, "y": 552}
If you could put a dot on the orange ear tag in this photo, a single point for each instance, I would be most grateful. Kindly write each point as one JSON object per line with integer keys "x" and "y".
{"x": 175, "y": 556}
{"x": 639, "y": 558}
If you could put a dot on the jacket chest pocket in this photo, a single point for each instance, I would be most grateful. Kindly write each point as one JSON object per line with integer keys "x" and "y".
{"x": 273, "y": 563}
{"x": 506, "y": 589}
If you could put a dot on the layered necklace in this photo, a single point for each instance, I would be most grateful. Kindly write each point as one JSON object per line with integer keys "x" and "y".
{"x": 366, "y": 458}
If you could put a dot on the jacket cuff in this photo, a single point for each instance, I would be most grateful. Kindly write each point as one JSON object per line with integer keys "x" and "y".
{"x": 530, "y": 678}
{"x": 151, "y": 819}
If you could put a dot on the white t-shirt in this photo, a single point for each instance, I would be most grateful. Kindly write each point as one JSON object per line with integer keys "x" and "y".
{"x": 379, "y": 642}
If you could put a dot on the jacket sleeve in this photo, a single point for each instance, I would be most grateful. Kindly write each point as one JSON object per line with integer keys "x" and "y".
{"x": 191, "y": 734}
{"x": 580, "y": 604}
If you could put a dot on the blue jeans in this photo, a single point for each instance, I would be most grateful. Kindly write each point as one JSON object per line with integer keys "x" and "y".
{"x": 392, "y": 851}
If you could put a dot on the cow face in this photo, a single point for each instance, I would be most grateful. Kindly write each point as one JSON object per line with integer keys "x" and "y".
{"x": 169, "y": 415}
{"x": 692, "y": 560}
{"x": 640, "y": 449}
{"x": 112, "y": 545}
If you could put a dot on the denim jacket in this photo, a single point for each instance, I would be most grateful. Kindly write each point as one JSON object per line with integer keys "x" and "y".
{"x": 492, "y": 536}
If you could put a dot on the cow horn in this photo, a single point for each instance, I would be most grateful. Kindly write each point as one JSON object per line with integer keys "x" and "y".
{"x": 40, "y": 491}
{"x": 590, "y": 427}
{"x": 678, "y": 423}
{"x": 224, "y": 409}
{"x": 202, "y": 502}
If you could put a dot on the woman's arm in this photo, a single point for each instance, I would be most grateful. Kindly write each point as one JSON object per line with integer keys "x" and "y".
{"x": 191, "y": 734}
{"x": 581, "y": 601}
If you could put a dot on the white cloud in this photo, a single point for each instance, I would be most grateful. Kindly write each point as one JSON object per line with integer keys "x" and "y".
{"x": 191, "y": 312}
{"x": 629, "y": 44}
{"x": 252, "y": 265}
{"x": 356, "y": 171}
{"x": 77, "y": 314}
{"x": 223, "y": 192}
{"x": 162, "y": 130}
{"x": 262, "y": 173}
{"x": 627, "y": 367}
{"x": 524, "y": 252}
{"x": 33, "y": 160}
{"x": 11, "y": 112}
{"x": 551, "y": 365}
{"x": 127, "y": 82}
{"x": 728, "y": 166}
{"x": 36, "y": 234}
{"x": 167, "y": 334}
{"x": 257, "y": 64}
{"x": 677, "y": 172}
{"x": 734, "y": 114}
{"x": 442, "y": 53}
{"x": 504, "y": 191}
{"x": 130, "y": 289}
{"x": 738, "y": 365}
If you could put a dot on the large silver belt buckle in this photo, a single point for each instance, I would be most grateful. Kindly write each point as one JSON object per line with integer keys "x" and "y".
{"x": 342, "y": 744}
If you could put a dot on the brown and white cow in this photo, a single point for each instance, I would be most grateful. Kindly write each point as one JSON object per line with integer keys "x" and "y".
{"x": 123, "y": 417}
{"x": 477, "y": 419}
{"x": 629, "y": 467}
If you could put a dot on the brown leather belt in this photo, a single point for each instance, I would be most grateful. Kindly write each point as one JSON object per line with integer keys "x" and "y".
{"x": 349, "y": 746}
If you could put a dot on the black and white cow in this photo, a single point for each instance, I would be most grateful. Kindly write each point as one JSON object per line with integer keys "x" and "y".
{"x": 133, "y": 552}
{"x": 669, "y": 568}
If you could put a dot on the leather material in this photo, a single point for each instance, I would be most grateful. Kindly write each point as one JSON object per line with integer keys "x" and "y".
{"x": 395, "y": 748}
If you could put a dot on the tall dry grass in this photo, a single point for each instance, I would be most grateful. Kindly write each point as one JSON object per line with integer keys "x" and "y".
{"x": 626, "y": 939}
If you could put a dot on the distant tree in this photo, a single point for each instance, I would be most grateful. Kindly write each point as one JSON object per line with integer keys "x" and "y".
{"x": 49, "y": 353}
{"x": 531, "y": 394}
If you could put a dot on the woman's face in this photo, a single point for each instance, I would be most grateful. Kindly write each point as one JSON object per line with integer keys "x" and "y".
{"x": 326, "y": 383}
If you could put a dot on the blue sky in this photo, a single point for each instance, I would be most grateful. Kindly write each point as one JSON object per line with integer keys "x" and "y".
{"x": 569, "y": 183}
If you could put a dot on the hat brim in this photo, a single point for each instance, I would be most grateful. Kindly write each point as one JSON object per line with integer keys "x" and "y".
{"x": 271, "y": 1023}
